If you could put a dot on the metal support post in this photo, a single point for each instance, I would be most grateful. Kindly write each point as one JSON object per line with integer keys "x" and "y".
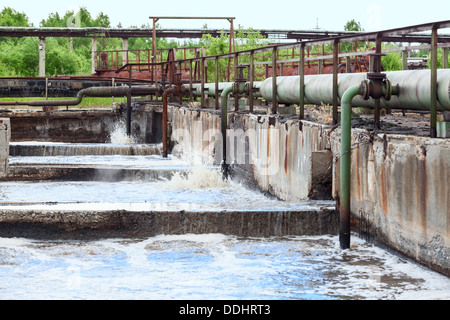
{"x": 301, "y": 73}
{"x": 202, "y": 76}
{"x": 335, "y": 81}
{"x": 445, "y": 58}
{"x": 216, "y": 76}
{"x": 274, "y": 81}
{"x": 433, "y": 90}
{"x": 251, "y": 74}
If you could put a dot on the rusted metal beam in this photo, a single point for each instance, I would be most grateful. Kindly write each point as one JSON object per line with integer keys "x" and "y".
{"x": 198, "y": 33}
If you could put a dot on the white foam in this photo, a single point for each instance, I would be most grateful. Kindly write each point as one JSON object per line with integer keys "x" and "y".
{"x": 211, "y": 266}
{"x": 199, "y": 177}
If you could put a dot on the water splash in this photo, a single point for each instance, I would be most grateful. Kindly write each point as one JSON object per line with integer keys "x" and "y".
{"x": 119, "y": 134}
{"x": 199, "y": 177}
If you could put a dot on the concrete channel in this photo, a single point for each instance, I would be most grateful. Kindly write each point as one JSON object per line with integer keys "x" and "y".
{"x": 93, "y": 161}
{"x": 270, "y": 154}
{"x": 85, "y": 192}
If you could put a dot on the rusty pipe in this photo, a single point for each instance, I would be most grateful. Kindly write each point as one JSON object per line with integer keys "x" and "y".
{"x": 88, "y": 92}
{"x": 224, "y": 126}
{"x": 165, "y": 121}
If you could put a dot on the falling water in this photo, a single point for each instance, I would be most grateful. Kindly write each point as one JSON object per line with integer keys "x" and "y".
{"x": 119, "y": 134}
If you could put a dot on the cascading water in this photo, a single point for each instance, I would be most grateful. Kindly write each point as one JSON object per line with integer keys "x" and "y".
{"x": 188, "y": 266}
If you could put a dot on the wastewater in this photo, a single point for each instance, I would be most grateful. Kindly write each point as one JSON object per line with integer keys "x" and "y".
{"x": 189, "y": 266}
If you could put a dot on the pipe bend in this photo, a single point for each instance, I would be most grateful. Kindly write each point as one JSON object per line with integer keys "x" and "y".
{"x": 345, "y": 165}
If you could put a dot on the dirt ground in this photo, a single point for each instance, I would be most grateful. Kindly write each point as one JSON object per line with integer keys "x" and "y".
{"x": 396, "y": 122}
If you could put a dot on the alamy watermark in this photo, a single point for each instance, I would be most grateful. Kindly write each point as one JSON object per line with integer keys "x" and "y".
{"x": 74, "y": 21}
{"x": 256, "y": 147}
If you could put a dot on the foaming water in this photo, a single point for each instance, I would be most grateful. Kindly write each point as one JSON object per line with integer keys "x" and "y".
{"x": 199, "y": 177}
{"x": 119, "y": 134}
{"x": 211, "y": 266}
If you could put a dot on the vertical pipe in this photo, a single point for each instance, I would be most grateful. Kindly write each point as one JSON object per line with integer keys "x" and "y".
{"x": 274, "y": 81}
{"x": 129, "y": 104}
{"x": 165, "y": 120}
{"x": 335, "y": 80}
{"x": 344, "y": 210}
{"x": 377, "y": 114}
{"x": 224, "y": 125}
{"x": 433, "y": 91}
{"x": 301, "y": 72}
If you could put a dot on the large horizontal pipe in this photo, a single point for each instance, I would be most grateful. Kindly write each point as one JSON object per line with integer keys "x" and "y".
{"x": 414, "y": 89}
{"x": 89, "y": 92}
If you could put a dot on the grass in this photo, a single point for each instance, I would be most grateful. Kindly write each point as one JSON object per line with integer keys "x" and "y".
{"x": 87, "y": 102}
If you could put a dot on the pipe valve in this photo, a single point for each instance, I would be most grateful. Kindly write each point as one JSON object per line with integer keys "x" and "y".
{"x": 376, "y": 86}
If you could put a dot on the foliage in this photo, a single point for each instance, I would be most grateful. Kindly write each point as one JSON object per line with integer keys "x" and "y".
{"x": 353, "y": 25}
{"x": 244, "y": 40}
{"x": 392, "y": 61}
{"x": 11, "y": 18}
{"x": 20, "y": 56}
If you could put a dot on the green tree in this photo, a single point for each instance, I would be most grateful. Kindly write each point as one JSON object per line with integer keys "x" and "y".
{"x": 353, "y": 25}
{"x": 12, "y": 18}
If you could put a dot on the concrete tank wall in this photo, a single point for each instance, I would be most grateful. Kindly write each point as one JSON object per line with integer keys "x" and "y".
{"x": 80, "y": 126}
{"x": 400, "y": 194}
{"x": 399, "y": 184}
{"x": 281, "y": 158}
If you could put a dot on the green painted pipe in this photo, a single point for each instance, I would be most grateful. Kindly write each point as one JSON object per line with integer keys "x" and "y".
{"x": 346, "y": 137}
{"x": 224, "y": 125}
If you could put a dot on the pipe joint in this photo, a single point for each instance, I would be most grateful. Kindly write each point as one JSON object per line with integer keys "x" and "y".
{"x": 239, "y": 88}
{"x": 376, "y": 87}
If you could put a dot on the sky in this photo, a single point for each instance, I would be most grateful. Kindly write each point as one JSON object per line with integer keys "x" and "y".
{"x": 330, "y": 15}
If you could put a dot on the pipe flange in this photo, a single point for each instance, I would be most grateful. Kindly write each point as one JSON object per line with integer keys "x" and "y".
{"x": 387, "y": 90}
{"x": 364, "y": 89}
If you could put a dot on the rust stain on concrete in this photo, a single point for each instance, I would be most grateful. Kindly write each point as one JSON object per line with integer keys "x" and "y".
{"x": 286, "y": 156}
{"x": 357, "y": 173}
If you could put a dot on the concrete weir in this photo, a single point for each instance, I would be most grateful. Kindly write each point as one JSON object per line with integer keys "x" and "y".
{"x": 98, "y": 189}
